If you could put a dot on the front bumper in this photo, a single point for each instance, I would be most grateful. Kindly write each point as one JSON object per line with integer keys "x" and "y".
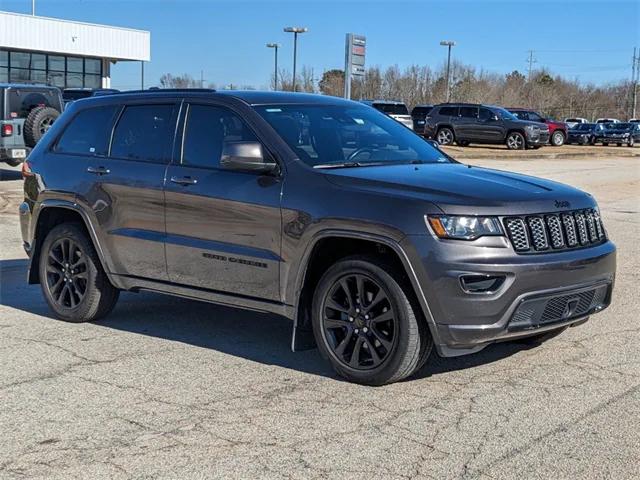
{"x": 540, "y": 139}
{"x": 465, "y": 322}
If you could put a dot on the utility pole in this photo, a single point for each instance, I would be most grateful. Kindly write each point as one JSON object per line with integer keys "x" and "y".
{"x": 635, "y": 76}
{"x": 448, "y": 44}
{"x": 295, "y": 31}
{"x": 531, "y": 62}
{"x": 275, "y": 47}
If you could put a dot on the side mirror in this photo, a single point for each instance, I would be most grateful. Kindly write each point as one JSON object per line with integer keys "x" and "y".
{"x": 494, "y": 118}
{"x": 245, "y": 157}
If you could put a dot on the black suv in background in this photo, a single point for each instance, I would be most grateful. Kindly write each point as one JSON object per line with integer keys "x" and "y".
{"x": 419, "y": 115}
{"x": 26, "y": 113}
{"x": 375, "y": 243}
{"x": 465, "y": 123}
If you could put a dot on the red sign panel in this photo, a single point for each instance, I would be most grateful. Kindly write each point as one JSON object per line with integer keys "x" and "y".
{"x": 357, "y": 50}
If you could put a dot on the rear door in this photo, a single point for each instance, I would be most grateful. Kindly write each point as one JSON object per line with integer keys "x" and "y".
{"x": 114, "y": 159}
{"x": 466, "y": 122}
{"x": 223, "y": 227}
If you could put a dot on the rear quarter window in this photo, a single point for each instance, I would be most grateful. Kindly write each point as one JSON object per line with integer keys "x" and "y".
{"x": 88, "y": 132}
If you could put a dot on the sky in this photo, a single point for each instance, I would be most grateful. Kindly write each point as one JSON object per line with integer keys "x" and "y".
{"x": 590, "y": 41}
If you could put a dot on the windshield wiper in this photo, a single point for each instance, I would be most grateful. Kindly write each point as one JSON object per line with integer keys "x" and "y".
{"x": 341, "y": 165}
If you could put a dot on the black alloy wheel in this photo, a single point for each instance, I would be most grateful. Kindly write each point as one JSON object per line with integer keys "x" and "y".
{"x": 367, "y": 321}
{"x": 359, "y": 323}
{"x": 73, "y": 281}
{"x": 67, "y": 273}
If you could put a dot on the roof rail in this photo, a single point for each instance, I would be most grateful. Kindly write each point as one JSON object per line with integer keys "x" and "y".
{"x": 164, "y": 90}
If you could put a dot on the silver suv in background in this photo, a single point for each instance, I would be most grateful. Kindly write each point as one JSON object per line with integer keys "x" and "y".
{"x": 396, "y": 110}
{"x": 26, "y": 114}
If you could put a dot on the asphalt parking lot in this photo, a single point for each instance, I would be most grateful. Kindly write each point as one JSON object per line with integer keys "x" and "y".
{"x": 166, "y": 387}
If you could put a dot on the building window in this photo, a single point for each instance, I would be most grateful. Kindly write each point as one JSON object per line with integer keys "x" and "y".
{"x": 58, "y": 70}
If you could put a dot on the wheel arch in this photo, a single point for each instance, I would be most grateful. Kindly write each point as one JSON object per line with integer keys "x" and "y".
{"x": 50, "y": 214}
{"x": 322, "y": 253}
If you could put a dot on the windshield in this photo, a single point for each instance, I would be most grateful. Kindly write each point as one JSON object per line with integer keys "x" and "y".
{"x": 505, "y": 114}
{"x": 326, "y": 136}
{"x": 617, "y": 126}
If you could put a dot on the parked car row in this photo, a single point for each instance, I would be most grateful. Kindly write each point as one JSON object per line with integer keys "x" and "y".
{"x": 619, "y": 133}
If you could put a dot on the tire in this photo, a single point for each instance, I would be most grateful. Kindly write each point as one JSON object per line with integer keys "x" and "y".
{"x": 69, "y": 244}
{"x": 342, "y": 332}
{"x": 541, "y": 337}
{"x": 38, "y": 123}
{"x": 445, "y": 136}
{"x": 516, "y": 141}
{"x": 558, "y": 138}
{"x": 584, "y": 141}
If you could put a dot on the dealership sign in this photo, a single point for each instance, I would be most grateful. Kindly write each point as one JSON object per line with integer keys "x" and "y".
{"x": 355, "y": 48}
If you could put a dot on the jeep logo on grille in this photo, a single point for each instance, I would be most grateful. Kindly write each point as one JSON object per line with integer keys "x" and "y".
{"x": 562, "y": 204}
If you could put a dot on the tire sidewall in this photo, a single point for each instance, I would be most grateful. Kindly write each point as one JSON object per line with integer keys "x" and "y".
{"x": 388, "y": 368}
{"x": 32, "y": 124}
{"x": 453, "y": 137}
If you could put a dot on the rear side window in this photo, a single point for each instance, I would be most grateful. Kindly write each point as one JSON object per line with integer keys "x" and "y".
{"x": 208, "y": 128}
{"x": 89, "y": 132}
{"x": 144, "y": 133}
{"x": 469, "y": 112}
{"x": 448, "y": 111}
{"x": 485, "y": 113}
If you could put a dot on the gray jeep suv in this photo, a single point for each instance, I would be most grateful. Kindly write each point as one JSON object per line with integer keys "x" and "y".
{"x": 373, "y": 242}
{"x": 466, "y": 123}
{"x": 26, "y": 113}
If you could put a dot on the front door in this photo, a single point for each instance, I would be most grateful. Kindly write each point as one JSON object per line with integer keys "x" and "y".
{"x": 223, "y": 227}
{"x": 488, "y": 128}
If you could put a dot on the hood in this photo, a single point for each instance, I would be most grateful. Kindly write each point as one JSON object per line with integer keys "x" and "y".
{"x": 556, "y": 124}
{"x": 461, "y": 189}
{"x": 524, "y": 123}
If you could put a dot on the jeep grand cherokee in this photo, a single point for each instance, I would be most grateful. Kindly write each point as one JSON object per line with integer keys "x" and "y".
{"x": 376, "y": 244}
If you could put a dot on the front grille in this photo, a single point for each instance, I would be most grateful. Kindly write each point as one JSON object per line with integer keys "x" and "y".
{"x": 553, "y": 232}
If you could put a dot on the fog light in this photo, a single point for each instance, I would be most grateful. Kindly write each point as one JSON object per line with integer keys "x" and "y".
{"x": 481, "y": 283}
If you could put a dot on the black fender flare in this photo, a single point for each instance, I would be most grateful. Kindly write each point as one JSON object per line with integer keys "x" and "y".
{"x": 69, "y": 205}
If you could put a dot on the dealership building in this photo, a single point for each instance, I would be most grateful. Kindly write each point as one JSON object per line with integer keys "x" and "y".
{"x": 65, "y": 53}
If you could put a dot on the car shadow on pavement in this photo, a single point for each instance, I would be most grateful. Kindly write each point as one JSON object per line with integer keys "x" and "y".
{"x": 6, "y": 175}
{"x": 258, "y": 337}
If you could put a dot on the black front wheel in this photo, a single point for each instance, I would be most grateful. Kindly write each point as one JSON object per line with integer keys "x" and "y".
{"x": 72, "y": 279}
{"x": 367, "y": 324}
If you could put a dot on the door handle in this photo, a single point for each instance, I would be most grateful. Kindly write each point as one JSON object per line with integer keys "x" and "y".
{"x": 184, "y": 180}
{"x": 98, "y": 170}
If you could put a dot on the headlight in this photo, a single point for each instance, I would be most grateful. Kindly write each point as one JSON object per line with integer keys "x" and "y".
{"x": 463, "y": 227}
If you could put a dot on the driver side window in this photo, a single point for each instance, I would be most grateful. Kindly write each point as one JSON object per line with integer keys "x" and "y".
{"x": 485, "y": 114}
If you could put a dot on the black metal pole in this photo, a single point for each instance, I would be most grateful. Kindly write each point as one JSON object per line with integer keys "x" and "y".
{"x": 295, "y": 53}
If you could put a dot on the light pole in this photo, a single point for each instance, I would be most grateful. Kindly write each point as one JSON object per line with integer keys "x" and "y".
{"x": 449, "y": 44}
{"x": 295, "y": 31}
{"x": 275, "y": 46}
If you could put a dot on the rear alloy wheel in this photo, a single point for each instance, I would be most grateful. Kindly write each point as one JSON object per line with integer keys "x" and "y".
{"x": 445, "y": 136}
{"x": 515, "y": 141}
{"x": 557, "y": 139}
{"x": 365, "y": 324}
{"x": 72, "y": 279}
